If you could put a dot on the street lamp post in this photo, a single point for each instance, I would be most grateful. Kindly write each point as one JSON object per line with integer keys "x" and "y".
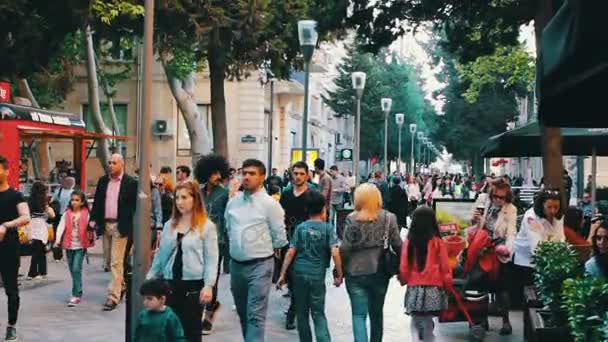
{"x": 419, "y": 135}
{"x": 307, "y": 35}
{"x": 413, "y": 134}
{"x": 358, "y": 79}
{"x": 386, "y": 104}
{"x": 400, "y": 119}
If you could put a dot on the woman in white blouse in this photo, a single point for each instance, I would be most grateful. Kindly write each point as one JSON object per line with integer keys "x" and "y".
{"x": 543, "y": 222}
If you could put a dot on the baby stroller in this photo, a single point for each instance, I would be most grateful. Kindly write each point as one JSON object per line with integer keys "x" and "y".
{"x": 474, "y": 276}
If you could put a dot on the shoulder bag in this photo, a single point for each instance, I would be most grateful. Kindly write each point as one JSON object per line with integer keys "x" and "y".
{"x": 390, "y": 259}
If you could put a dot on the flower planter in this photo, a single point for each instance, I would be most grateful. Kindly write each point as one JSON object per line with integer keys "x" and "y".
{"x": 541, "y": 328}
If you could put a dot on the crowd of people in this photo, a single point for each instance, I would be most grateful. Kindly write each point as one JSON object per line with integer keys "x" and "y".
{"x": 266, "y": 230}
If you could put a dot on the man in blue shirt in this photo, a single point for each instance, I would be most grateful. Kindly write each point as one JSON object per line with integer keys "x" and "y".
{"x": 255, "y": 223}
{"x": 313, "y": 243}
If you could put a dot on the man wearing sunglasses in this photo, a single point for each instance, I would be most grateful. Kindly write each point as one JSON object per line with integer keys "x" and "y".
{"x": 112, "y": 216}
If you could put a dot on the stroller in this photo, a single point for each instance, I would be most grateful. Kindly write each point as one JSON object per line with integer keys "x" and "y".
{"x": 474, "y": 279}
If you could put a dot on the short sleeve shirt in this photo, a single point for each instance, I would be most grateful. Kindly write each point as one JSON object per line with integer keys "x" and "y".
{"x": 313, "y": 241}
{"x": 9, "y": 200}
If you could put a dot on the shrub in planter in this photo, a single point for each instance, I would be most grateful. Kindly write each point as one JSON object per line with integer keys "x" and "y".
{"x": 555, "y": 262}
{"x": 585, "y": 301}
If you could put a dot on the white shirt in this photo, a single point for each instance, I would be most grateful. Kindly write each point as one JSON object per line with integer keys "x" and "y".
{"x": 535, "y": 230}
{"x": 256, "y": 226}
{"x": 413, "y": 190}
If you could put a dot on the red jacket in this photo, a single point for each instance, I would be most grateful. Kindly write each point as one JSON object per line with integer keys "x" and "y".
{"x": 64, "y": 231}
{"x": 573, "y": 238}
{"x": 437, "y": 270}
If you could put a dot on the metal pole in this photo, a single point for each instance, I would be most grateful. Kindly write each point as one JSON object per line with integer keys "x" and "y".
{"x": 141, "y": 233}
{"x": 399, "y": 154}
{"x": 357, "y": 140}
{"x": 305, "y": 120}
{"x": 270, "y": 134}
{"x": 386, "y": 167}
{"x": 412, "y": 166}
{"x": 593, "y": 177}
{"x": 419, "y": 156}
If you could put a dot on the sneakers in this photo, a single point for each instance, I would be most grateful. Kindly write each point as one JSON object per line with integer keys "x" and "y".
{"x": 74, "y": 301}
{"x": 207, "y": 327}
{"x": 11, "y": 334}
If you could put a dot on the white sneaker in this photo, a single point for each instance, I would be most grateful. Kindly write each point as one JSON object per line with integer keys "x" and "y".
{"x": 38, "y": 277}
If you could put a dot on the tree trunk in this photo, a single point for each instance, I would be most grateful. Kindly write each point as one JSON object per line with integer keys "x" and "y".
{"x": 183, "y": 92}
{"x": 551, "y": 136}
{"x": 111, "y": 110}
{"x": 217, "y": 66}
{"x": 41, "y": 158}
{"x": 103, "y": 151}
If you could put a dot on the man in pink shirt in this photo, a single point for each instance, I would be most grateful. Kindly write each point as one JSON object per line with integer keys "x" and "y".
{"x": 112, "y": 216}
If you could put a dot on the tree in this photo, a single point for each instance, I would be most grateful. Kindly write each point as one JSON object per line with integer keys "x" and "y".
{"x": 231, "y": 38}
{"x": 386, "y": 77}
{"x": 474, "y": 28}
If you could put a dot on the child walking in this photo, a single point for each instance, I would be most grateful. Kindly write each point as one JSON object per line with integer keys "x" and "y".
{"x": 158, "y": 322}
{"x": 424, "y": 268}
{"x": 313, "y": 243}
{"x": 74, "y": 236}
{"x": 41, "y": 212}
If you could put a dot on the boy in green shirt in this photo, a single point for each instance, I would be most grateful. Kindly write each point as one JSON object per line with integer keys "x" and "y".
{"x": 312, "y": 245}
{"x": 157, "y": 323}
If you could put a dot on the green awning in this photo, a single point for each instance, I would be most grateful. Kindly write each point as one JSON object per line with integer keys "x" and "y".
{"x": 525, "y": 141}
{"x": 573, "y": 70}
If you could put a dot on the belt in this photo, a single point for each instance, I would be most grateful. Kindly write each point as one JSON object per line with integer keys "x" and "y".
{"x": 108, "y": 220}
{"x": 252, "y": 261}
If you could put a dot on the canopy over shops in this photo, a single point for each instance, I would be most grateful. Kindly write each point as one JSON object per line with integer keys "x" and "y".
{"x": 525, "y": 141}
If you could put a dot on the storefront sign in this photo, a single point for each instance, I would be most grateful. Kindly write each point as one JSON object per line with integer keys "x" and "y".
{"x": 311, "y": 156}
{"x": 248, "y": 139}
{"x": 347, "y": 154}
{"x": 5, "y": 92}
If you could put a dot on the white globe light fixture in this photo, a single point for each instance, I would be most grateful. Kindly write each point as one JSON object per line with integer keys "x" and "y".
{"x": 307, "y": 35}
{"x": 386, "y": 104}
{"x": 358, "y": 79}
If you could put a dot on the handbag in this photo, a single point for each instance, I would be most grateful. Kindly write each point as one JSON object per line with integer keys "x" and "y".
{"x": 390, "y": 259}
{"x": 51, "y": 233}
{"x": 24, "y": 234}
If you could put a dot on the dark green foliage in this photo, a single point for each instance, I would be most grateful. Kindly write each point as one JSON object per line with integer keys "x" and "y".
{"x": 392, "y": 79}
{"x": 585, "y": 300}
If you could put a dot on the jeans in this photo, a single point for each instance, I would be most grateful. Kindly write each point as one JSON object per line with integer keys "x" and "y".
{"x": 333, "y": 212}
{"x": 309, "y": 295}
{"x": 250, "y": 284}
{"x": 75, "y": 259}
{"x": 38, "y": 261}
{"x": 9, "y": 269}
{"x": 367, "y": 297}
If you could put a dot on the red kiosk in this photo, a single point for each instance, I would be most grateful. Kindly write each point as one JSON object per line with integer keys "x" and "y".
{"x": 20, "y": 124}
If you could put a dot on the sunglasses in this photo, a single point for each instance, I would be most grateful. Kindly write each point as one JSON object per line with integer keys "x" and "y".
{"x": 499, "y": 197}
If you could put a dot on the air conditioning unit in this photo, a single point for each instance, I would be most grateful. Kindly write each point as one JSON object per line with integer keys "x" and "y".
{"x": 162, "y": 128}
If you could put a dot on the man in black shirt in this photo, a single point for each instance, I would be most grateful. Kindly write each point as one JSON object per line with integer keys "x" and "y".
{"x": 14, "y": 214}
{"x": 293, "y": 201}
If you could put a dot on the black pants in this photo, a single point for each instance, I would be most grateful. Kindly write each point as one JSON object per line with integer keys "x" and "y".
{"x": 520, "y": 276}
{"x": 184, "y": 300}
{"x": 57, "y": 252}
{"x": 38, "y": 262}
{"x": 9, "y": 270}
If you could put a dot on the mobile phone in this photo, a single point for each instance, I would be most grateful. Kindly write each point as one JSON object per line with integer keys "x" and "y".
{"x": 481, "y": 211}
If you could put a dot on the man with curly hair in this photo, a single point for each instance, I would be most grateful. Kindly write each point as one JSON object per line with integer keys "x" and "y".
{"x": 210, "y": 171}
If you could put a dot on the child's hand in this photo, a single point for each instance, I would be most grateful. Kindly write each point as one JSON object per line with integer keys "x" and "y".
{"x": 281, "y": 282}
{"x": 206, "y": 295}
{"x": 338, "y": 281}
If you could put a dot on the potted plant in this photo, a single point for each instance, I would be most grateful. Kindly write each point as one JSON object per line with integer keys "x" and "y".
{"x": 554, "y": 262}
{"x": 585, "y": 301}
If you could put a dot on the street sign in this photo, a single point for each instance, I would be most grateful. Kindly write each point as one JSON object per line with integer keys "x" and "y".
{"x": 248, "y": 139}
{"x": 347, "y": 154}
{"x": 311, "y": 156}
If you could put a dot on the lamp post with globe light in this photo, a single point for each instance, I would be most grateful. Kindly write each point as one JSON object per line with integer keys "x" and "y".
{"x": 358, "y": 79}
{"x": 307, "y": 35}
{"x": 386, "y": 104}
{"x": 399, "y": 119}
{"x": 413, "y": 134}
{"x": 419, "y": 135}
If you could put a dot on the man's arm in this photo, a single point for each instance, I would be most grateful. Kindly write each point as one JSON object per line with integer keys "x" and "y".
{"x": 24, "y": 217}
{"x": 276, "y": 222}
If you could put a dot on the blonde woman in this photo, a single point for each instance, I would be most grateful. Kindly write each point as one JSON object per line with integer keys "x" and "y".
{"x": 187, "y": 258}
{"x": 362, "y": 246}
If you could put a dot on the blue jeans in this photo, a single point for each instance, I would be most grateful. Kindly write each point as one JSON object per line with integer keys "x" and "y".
{"x": 309, "y": 296}
{"x": 75, "y": 259}
{"x": 367, "y": 297}
{"x": 250, "y": 284}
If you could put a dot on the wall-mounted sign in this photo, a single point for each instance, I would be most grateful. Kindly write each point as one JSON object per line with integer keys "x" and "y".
{"x": 347, "y": 154}
{"x": 248, "y": 139}
{"x": 311, "y": 156}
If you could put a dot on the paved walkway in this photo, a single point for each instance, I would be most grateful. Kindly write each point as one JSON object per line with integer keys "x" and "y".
{"x": 44, "y": 315}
